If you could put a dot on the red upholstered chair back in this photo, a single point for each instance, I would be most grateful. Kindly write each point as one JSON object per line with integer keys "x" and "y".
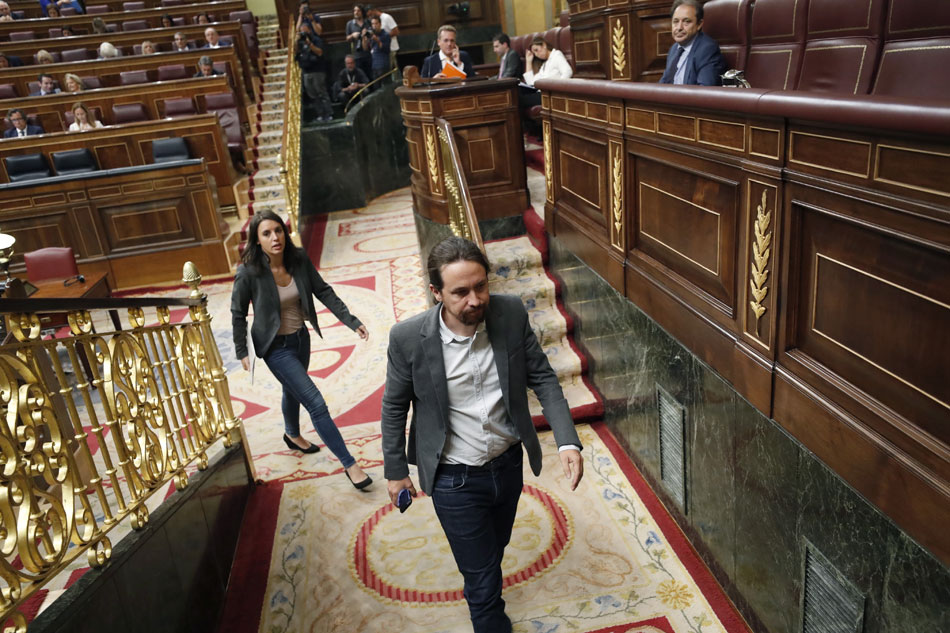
{"x": 92, "y": 82}
{"x": 241, "y": 16}
{"x": 64, "y": 11}
{"x": 96, "y": 8}
{"x": 179, "y": 106}
{"x": 55, "y": 32}
{"x": 842, "y": 46}
{"x": 776, "y": 41}
{"x": 53, "y": 262}
{"x": 135, "y": 25}
{"x": 133, "y": 6}
{"x": 172, "y": 71}
{"x": 565, "y": 44}
{"x": 128, "y": 113}
{"x": 8, "y": 91}
{"x": 75, "y": 55}
{"x": 20, "y": 36}
{"x": 915, "y": 60}
{"x": 727, "y": 22}
{"x": 219, "y": 101}
{"x": 133, "y": 77}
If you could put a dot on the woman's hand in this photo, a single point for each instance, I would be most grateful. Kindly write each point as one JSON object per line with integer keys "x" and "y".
{"x": 363, "y": 332}
{"x": 246, "y": 363}
{"x": 528, "y": 57}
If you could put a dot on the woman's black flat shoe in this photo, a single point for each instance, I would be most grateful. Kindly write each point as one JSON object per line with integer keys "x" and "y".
{"x": 359, "y": 485}
{"x": 313, "y": 448}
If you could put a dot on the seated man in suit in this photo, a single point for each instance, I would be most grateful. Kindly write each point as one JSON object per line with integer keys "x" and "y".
{"x": 448, "y": 53}
{"x": 695, "y": 57}
{"x": 46, "y": 86}
{"x": 181, "y": 43}
{"x": 5, "y": 14}
{"x": 206, "y": 67}
{"x": 20, "y": 126}
{"x": 509, "y": 60}
{"x": 213, "y": 39}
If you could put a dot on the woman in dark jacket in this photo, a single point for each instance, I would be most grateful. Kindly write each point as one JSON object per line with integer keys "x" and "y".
{"x": 279, "y": 279}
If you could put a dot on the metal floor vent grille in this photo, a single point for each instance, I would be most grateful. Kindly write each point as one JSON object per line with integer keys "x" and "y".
{"x": 831, "y": 603}
{"x": 672, "y": 446}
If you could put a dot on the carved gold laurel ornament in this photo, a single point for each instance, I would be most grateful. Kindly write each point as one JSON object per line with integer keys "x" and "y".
{"x": 432, "y": 156}
{"x": 548, "y": 162}
{"x": 618, "y": 193}
{"x": 619, "y": 47}
{"x": 761, "y": 249}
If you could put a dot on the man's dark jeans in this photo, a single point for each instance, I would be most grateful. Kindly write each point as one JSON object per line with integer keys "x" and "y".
{"x": 476, "y": 506}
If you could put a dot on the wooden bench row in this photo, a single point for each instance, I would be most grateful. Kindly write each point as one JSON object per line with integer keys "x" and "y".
{"x": 131, "y": 144}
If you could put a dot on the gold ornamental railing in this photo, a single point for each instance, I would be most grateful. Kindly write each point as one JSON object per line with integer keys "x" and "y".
{"x": 96, "y": 423}
{"x": 462, "y": 218}
{"x": 290, "y": 142}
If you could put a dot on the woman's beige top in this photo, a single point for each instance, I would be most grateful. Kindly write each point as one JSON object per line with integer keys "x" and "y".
{"x": 291, "y": 312}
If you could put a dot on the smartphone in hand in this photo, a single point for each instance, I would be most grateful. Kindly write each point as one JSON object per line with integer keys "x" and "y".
{"x": 404, "y": 500}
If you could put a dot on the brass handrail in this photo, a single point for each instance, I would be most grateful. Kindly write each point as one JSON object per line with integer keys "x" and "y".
{"x": 462, "y": 219}
{"x": 82, "y": 454}
{"x": 290, "y": 142}
{"x": 346, "y": 108}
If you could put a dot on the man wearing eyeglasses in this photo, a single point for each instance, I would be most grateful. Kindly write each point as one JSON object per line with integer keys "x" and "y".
{"x": 20, "y": 126}
{"x": 180, "y": 43}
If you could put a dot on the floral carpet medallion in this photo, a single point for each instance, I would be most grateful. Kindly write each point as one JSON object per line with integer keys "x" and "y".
{"x": 585, "y": 561}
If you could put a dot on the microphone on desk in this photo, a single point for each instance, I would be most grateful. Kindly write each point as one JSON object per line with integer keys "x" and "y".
{"x": 71, "y": 280}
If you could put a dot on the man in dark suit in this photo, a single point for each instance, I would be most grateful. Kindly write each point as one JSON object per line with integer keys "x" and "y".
{"x": 449, "y": 53}
{"x": 46, "y": 86}
{"x": 465, "y": 366}
{"x": 509, "y": 60}
{"x": 181, "y": 43}
{"x": 20, "y": 126}
{"x": 695, "y": 57}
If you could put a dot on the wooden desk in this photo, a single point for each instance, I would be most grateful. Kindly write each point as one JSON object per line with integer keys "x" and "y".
{"x": 487, "y": 127}
{"x": 94, "y": 286}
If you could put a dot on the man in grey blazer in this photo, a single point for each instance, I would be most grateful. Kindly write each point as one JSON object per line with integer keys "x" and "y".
{"x": 465, "y": 365}
{"x": 509, "y": 62}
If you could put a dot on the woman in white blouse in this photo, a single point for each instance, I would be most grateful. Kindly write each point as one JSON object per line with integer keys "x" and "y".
{"x": 544, "y": 62}
{"x": 84, "y": 119}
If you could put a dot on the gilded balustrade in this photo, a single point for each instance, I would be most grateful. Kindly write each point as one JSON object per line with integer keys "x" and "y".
{"x": 290, "y": 148}
{"x": 94, "y": 424}
{"x": 462, "y": 219}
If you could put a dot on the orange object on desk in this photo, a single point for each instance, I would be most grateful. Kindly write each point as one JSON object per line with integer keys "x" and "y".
{"x": 451, "y": 71}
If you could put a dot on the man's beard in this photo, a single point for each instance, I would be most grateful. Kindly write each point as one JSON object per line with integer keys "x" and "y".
{"x": 472, "y": 316}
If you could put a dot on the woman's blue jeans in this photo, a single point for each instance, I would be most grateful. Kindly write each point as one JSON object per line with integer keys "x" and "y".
{"x": 288, "y": 359}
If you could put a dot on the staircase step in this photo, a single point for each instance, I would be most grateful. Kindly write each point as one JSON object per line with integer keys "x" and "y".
{"x": 271, "y": 161}
{"x": 268, "y": 192}
{"x": 277, "y": 206}
{"x": 271, "y": 137}
{"x": 266, "y": 177}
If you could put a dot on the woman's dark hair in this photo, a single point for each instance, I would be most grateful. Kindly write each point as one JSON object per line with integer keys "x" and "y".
{"x": 168, "y": 17}
{"x": 449, "y": 251}
{"x": 535, "y": 62}
{"x": 256, "y": 259}
{"x": 362, "y": 10}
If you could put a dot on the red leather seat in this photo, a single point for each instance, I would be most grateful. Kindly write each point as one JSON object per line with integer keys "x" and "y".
{"x": 92, "y": 82}
{"x": 133, "y": 77}
{"x": 776, "y": 41}
{"x": 128, "y": 113}
{"x": 65, "y": 11}
{"x": 172, "y": 3}
{"x": 842, "y": 46}
{"x": 133, "y": 6}
{"x": 727, "y": 22}
{"x": 172, "y": 72}
{"x": 8, "y": 91}
{"x": 75, "y": 55}
{"x": 135, "y": 25}
{"x": 55, "y": 32}
{"x": 178, "y": 107}
{"x": 20, "y": 36}
{"x": 96, "y": 8}
{"x": 915, "y": 60}
{"x": 53, "y": 262}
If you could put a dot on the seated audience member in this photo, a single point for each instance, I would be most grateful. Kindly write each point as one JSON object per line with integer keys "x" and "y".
{"x": 509, "y": 62}
{"x": 544, "y": 62}
{"x": 167, "y": 21}
{"x": 181, "y": 43}
{"x": 313, "y": 68}
{"x": 10, "y": 61}
{"x": 389, "y": 25}
{"x": 59, "y": 4}
{"x": 377, "y": 41}
{"x": 74, "y": 83}
{"x": 449, "y": 53}
{"x": 350, "y": 80}
{"x": 108, "y": 51}
{"x": 67, "y": 32}
{"x": 52, "y": 11}
{"x": 206, "y": 67}
{"x": 148, "y": 48}
{"x": 46, "y": 86}
{"x": 99, "y": 26}
{"x": 20, "y": 126}
{"x": 43, "y": 57}
{"x": 5, "y": 14}
{"x": 83, "y": 119}
{"x": 695, "y": 57}
{"x": 204, "y": 18}
{"x": 212, "y": 39}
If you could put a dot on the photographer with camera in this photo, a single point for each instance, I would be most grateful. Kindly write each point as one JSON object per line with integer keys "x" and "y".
{"x": 313, "y": 66}
{"x": 376, "y": 40}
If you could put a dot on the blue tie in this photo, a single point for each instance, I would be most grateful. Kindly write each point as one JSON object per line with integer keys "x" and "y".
{"x": 676, "y": 60}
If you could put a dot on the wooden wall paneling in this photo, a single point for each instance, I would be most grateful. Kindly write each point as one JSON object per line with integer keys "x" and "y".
{"x": 654, "y": 38}
{"x": 591, "y": 47}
